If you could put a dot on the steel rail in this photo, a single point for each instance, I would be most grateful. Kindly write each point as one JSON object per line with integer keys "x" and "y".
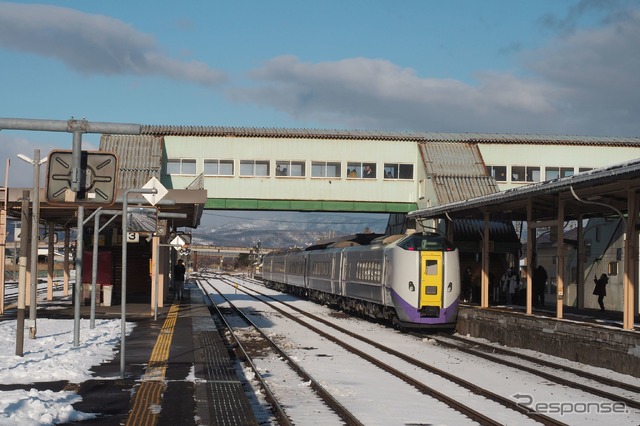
{"x": 451, "y": 402}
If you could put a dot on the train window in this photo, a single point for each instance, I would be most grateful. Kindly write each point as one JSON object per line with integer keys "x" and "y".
{"x": 290, "y": 168}
{"x": 361, "y": 170}
{"x": 431, "y": 267}
{"x": 425, "y": 242}
{"x": 398, "y": 171}
{"x": 325, "y": 169}
{"x": 499, "y": 173}
{"x": 213, "y": 167}
{"x": 181, "y": 166}
{"x": 254, "y": 168}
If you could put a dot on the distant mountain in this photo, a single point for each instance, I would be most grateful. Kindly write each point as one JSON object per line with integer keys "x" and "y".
{"x": 285, "y": 233}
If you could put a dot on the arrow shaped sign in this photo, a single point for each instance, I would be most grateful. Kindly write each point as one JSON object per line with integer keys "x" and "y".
{"x": 159, "y": 187}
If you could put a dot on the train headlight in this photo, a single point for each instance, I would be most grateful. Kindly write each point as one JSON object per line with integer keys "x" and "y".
{"x": 450, "y": 287}
{"x": 411, "y": 286}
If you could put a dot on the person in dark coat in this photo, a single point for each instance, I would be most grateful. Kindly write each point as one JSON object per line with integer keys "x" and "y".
{"x": 466, "y": 285}
{"x": 601, "y": 289}
{"x": 539, "y": 284}
{"x": 178, "y": 278}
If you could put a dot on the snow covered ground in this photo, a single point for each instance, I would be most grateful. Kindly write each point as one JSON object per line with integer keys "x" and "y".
{"x": 52, "y": 357}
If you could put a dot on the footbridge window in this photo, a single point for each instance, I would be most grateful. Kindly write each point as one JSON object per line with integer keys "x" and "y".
{"x": 214, "y": 167}
{"x": 361, "y": 170}
{"x": 398, "y": 171}
{"x": 254, "y": 168}
{"x": 499, "y": 173}
{"x": 181, "y": 166}
{"x": 525, "y": 174}
{"x": 290, "y": 168}
{"x": 556, "y": 172}
{"x": 325, "y": 169}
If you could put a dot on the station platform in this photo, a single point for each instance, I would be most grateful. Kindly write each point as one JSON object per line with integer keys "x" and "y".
{"x": 178, "y": 370}
{"x": 587, "y": 336}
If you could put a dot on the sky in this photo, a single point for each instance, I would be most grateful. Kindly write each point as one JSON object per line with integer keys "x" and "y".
{"x": 541, "y": 67}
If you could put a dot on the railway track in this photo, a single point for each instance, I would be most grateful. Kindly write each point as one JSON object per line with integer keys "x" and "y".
{"x": 627, "y": 393}
{"x": 413, "y": 375}
{"x": 243, "y": 340}
{"x": 617, "y": 391}
{"x": 11, "y": 292}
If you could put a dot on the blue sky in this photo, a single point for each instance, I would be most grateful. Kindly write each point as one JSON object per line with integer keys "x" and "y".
{"x": 544, "y": 66}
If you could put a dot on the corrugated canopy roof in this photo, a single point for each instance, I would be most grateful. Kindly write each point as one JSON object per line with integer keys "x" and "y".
{"x": 457, "y": 171}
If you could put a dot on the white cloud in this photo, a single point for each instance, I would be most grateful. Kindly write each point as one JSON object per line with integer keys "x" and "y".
{"x": 585, "y": 82}
{"x": 93, "y": 44}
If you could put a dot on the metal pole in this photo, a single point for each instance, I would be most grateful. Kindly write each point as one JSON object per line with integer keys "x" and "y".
{"x": 77, "y": 288}
{"x": 22, "y": 280}
{"x": 76, "y": 159}
{"x": 70, "y": 126}
{"x": 65, "y": 263}
{"x": 35, "y": 234}
{"x": 3, "y": 236}
{"x": 94, "y": 270}
{"x": 154, "y": 271}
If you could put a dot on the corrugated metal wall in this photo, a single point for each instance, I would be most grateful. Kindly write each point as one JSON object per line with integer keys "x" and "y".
{"x": 139, "y": 158}
{"x": 457, "y": 171}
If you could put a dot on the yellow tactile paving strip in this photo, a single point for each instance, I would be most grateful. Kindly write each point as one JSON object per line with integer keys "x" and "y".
{"x": 148, "y": 398}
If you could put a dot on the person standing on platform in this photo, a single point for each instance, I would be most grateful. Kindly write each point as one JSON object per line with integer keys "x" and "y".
{"x": 539, "y": 285}
{"x": 178, "y": 278}
{"x": 601, "y": 289}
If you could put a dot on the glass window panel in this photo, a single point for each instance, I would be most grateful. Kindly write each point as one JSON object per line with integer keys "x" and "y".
{"x": 333, "y": 169}
{"x": 318, "y": 169}
{"x": 533, "y": 174}
{"x": 211, "y": 167}
{"x": 517, "y": 174}
{"x": 406, "y": 171}
{"x": 390, "y": 171}
{"x": 282, "y": 168}
{"x": 354, "y": 170}
{"x": 189, "y": 166}
{"x": 173, "y": 166}
{"x": 262, "y": 168}
{"x": 500, "y": 173}
{"x": 369, "y": 171}
{"x": 551, "y": 173}
{"x": 226, "y": 167}
{"x": 566, "y": 171}
{"x": 297, "y": 168}
{"x": 431, "y": 267}
{"x": 246, "y": 168}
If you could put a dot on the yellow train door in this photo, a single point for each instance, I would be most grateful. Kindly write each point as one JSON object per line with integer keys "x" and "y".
{"x": 431, "y": 279}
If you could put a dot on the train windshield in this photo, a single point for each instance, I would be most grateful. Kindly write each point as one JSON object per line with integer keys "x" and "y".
{"x": 426, "y": 242}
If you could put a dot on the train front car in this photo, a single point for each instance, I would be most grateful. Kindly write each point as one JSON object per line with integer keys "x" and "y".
{"x": 424, "y": 281}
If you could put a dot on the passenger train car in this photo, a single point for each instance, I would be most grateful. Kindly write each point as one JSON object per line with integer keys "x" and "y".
{"x": 411, "y": 280}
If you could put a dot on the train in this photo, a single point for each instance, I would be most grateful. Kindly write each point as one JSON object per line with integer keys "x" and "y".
{"x": 413, "y": 280}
